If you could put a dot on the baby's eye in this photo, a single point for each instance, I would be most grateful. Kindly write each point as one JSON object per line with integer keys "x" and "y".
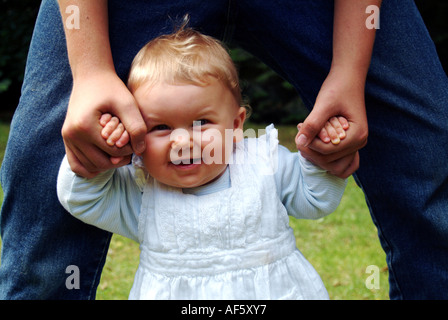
{"x": 160, "y": 127}
{"x": 200, "y": 122}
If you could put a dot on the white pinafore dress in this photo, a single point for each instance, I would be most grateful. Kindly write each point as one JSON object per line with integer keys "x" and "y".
{"x": 231, "y": 244}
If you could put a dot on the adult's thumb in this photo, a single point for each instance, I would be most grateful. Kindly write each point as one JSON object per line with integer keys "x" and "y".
{"x": 134, "y": 124}
{"x": 311, "y": 127}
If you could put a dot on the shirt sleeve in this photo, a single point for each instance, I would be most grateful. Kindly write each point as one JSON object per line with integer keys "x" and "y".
{"x": 307, "y": 191}
{"x": 111, "y": 201}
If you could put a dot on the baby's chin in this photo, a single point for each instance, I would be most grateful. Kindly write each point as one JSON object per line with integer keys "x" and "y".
{"x": 189, "y": 183}
{"x": 184, "y": 185}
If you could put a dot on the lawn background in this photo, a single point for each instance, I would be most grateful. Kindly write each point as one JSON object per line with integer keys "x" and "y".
{"x": 341, "y": 246}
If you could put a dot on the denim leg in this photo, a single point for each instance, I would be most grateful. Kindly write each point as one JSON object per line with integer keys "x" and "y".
{"x": 403, "y": 169}
{"x": 39, "y": 239}
{"x": 407, "y": 98}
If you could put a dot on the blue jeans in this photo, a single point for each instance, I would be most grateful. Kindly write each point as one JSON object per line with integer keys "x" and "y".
{"x": 403, "y": 169}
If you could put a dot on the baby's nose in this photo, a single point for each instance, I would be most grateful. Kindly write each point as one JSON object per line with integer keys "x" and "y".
{"x": 182, "y": 141}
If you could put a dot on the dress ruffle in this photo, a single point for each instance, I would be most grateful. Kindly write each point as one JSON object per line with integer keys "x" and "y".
{"x": 285, "y": 279}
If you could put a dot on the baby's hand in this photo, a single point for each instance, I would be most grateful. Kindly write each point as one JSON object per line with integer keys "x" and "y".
{"x": 113, "y": 131}
{"x": 333, "y": 131}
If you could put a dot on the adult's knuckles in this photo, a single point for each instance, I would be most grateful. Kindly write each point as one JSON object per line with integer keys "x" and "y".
{"x": 75, "y": 128}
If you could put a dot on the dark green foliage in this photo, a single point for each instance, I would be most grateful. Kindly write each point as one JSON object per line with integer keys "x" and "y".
{"x": 16, "y": 26}
{"x": 435, "y": 13}
{"x": 271, "y": 98}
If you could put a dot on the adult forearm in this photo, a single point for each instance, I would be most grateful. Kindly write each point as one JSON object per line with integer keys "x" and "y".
{"x": 342, "y": 93}
{"x": 96, "y": 90}
{"x": 352, "y": 40}
{"x": 88, "y": 45}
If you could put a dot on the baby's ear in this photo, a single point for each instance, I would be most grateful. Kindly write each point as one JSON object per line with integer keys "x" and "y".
{"x": 240, "y": 118}
{"x": 238, "y": 124}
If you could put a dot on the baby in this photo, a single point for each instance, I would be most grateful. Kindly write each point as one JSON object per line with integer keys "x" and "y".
{"x": 209, "y": 226}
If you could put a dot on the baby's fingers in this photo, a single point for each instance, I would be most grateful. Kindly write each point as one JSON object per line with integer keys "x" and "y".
{"x": 115, "y": 136}
{"x": 344, "y": 123}
{"x": 323, "y": 135}
{"x": 110, "y": 127}
{"x": 338, "y": 128}
{"x": 334, "y": 130}
{"x": 341, "y": 124}
{"x": 123, "y": 140}
{"x": 332, "y": 133}
{"x": 105, "y": 118}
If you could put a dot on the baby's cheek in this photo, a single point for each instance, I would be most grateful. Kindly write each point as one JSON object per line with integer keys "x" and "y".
{"x": 214, "y": 148}
{"x": 154, "y": 153}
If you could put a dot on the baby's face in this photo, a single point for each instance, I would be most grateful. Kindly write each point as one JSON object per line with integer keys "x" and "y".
{"x": 188, "y": 129}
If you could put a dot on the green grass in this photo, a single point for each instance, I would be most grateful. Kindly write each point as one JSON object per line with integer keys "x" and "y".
{"x": 4, "y": 131}
{"x": 340, "y": 246}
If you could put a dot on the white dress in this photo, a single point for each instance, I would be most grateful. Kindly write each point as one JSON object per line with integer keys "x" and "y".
{"x": 231, "y": 244}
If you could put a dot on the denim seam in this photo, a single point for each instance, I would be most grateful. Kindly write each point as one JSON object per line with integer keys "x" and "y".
{"x": 99, "y": 269}
{"x": 230, "y": 27}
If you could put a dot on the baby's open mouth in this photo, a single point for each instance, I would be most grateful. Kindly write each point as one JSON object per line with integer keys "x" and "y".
{"x": 186, "y": 162}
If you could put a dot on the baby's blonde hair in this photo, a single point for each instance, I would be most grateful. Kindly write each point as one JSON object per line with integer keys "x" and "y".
{"x": 184, "y": 57}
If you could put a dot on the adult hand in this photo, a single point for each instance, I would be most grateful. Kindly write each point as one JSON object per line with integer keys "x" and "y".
{"x": 87, "y": 152}
{"x": 340, "y": 95}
